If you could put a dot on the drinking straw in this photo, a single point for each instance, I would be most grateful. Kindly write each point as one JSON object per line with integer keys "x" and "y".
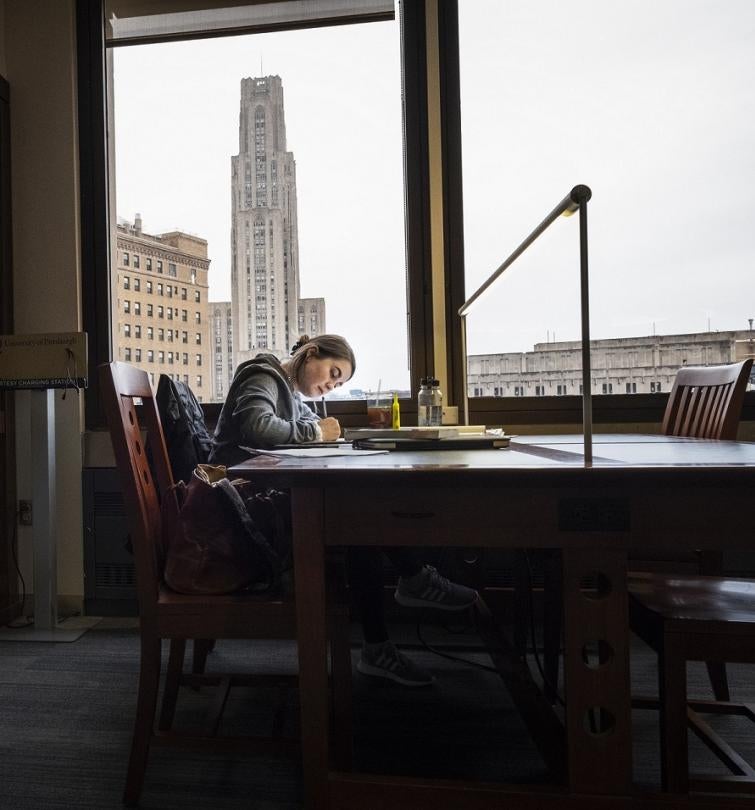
{"x": 377, "y": 395}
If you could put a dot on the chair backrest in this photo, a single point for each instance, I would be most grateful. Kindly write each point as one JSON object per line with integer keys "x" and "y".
{"x": 706, "y": 402}
{"x": 121, "y": 384}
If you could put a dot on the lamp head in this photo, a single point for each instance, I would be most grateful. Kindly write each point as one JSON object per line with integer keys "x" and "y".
{"x": 578, "y": 195}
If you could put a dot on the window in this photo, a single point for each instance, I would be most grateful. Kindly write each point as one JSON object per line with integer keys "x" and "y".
{"x": 150, "y": 333}
{"x": 197, "y": 296}
{"x": 137, "y": 285}
{"x": 137, "y": 355}
{"x": 197, "y": 317}
{"x": 160, "y": 312}
{"x": 161, "y": 334}
{"x": 126, "y": 283}
{"x": 199, "y": 359}
{"x": 127, "y": 306}
{"x": 199, "y": 380}
{"x": 185, "y": 337}
{"x": 136, "y": 260}
{"x": 125, "y": 260}
{"x": 184, "y": 315}
{"x": 644, "y": 106}
{"x": 137, "y": 308}
{"x": 159, "y": 289}
{"x": 159, "y": 266}
{"x": 171, "y": 269}
{"x": 607, "y": 388}
{"x": 198, "y": 338}
{"x": 170, "y": 313}
{"x": 137, "y": 330}
{"x": 127, "y": 355}
{"x": 126, "y": 330}
{"x": 149, "y": 286}
{"x": 161, "y": 357}
{"x": 149, "y": 310}
{"x": 170, "y": 358}
{"x": 186, "y": 359}
{"x": 150, "y": 356}
{"x": 183, "y": 293}
{"x": 149, "y": 264}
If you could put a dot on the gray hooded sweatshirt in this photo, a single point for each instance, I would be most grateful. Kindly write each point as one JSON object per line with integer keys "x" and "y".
{"x": 261, "y": 410}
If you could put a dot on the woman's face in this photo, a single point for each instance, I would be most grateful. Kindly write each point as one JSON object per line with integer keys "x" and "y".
{"x": 318, "y": 376}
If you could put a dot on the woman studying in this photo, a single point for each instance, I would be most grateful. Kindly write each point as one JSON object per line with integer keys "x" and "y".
{"x": 264, "y": 408}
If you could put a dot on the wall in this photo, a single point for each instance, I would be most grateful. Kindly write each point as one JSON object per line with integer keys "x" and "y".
{"x": 3, "y": 69}
{"x": 39, "y": 54}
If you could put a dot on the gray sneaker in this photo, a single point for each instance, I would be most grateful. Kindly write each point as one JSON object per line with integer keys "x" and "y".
{"x": 429, "y": 589}
{"x": 385, "y": 661}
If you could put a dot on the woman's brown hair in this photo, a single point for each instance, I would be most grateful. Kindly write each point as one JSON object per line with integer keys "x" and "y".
{"x": 324, "y": 346}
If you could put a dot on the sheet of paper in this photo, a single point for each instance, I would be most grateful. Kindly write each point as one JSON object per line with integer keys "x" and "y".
{"x": 313, "y": 452}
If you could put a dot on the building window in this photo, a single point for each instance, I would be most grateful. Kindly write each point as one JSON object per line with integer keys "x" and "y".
{"x": 199, "y": 380}
{"x": 150, "y": 356}
{"x": 170, "y": 358}
{"x": 137, "y": 308}
{"x": 631, "y": 388}
{"x": 150, "y": 333}
{"x": 126, "y": 330}
{"x": 159, "y": 266}
{"x": 184, "y": 315}
{"x": 149, "y": 264}
{"x": 169, "y": 291}
{"x": 161, "y": 357}
{"x": 186, "y": 359}
{"x": 137, "y": 285}
{"x": 607, "y": 388}
{"x": 197, "y": 296}
{"x": 170, "y": 313}
{"x": 137, "y": 330}
{"x": 127, "y": 306}
{"x": 149, "y": 310}
{"x": 183, "y": 293}
{"x": 160, "y": 312}
{"x": 125, "y": 260}
{"x": 197, "y": 317}
{"x": 149, "y": 286}
{"x": 159, "y": 289}
{"x": 199, "y": 359}
{"x": 138, "y": 355}
{"x": 127, "y": 355}
{"x": 161, "y": 334}
{"x": 184, "y": 337}
{"x": 136, "y": 261}
{"x": 126, "y": 283}
{"x": 199, "y": 339}
{"x": 171, "y": 269}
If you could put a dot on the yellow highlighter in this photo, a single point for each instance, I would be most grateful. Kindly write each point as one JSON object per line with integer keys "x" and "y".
{"x": 395, "y": 412}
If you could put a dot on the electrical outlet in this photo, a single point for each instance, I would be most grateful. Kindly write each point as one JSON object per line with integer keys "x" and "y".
{"x": 24, "y": 513}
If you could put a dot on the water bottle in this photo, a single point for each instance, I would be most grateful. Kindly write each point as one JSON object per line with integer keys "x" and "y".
{"x": 436, "y": 403}
{"x": 424, "y": 402}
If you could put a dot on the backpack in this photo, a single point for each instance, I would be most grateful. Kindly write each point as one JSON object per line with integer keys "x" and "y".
{"x": 186, "y": 435}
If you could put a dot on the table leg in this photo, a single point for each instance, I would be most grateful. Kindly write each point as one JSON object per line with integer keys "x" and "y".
{"x": 596, "y": 670}
{"x": 309, "y": 573}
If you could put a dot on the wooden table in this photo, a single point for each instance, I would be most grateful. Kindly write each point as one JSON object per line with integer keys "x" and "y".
{"x": 647, "y": 491}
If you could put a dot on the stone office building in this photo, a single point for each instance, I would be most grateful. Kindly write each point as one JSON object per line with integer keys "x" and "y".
{"x": 634, "y": 365}
{"x": 160, "y": 305}
{"x": 311, "y": 320}
{"x": 221, "y": 325}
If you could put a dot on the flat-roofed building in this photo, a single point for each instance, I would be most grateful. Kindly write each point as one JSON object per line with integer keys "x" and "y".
{"x": 633, "y": 365}
{"x": 221, "y": 320}
{"x": 311, "y": 313}
{"x": 160, "y": 318}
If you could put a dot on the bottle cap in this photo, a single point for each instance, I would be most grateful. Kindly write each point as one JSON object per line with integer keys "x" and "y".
{"x": 433, "y": 381}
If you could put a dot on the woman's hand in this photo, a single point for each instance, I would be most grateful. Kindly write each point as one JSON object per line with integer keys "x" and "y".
{"x": 331, "y": 429}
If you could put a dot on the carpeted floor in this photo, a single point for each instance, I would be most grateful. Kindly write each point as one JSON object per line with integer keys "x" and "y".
{"x": 66, "y": 712}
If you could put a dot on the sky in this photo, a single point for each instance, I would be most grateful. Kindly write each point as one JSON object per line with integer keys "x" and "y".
{"x": 649, "y": 103}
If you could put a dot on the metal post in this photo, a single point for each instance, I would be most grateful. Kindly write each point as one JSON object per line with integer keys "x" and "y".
{"x": 585, "y": 314}
{"x": 43, "y": 500}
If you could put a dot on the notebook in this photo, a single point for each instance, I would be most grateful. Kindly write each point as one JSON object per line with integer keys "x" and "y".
{"x": 472, "y": 442}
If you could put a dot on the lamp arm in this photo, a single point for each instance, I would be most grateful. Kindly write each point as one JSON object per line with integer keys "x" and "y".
{"x": 571, "y": 203}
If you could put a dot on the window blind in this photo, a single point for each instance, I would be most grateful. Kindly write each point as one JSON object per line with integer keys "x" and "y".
{"x": 132, "y": 22}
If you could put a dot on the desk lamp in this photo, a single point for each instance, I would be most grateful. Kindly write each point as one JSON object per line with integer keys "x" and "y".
{"x": 575, "y": 200}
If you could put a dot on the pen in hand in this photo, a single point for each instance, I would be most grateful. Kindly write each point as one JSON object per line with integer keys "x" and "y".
{"x": 324, "y": 408}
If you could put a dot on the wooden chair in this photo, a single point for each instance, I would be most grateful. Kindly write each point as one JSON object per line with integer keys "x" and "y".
{"x": 164, "y": 614}
{"x": 698, "y": 618}
{"x": 705, "y": 403}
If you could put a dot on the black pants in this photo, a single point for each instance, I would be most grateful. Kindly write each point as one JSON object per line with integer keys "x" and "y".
{"x": 365, "y": 570}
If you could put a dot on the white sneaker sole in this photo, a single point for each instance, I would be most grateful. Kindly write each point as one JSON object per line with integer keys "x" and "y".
{"x": 411, "y": 601}
{"x": 378, "y": 672}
